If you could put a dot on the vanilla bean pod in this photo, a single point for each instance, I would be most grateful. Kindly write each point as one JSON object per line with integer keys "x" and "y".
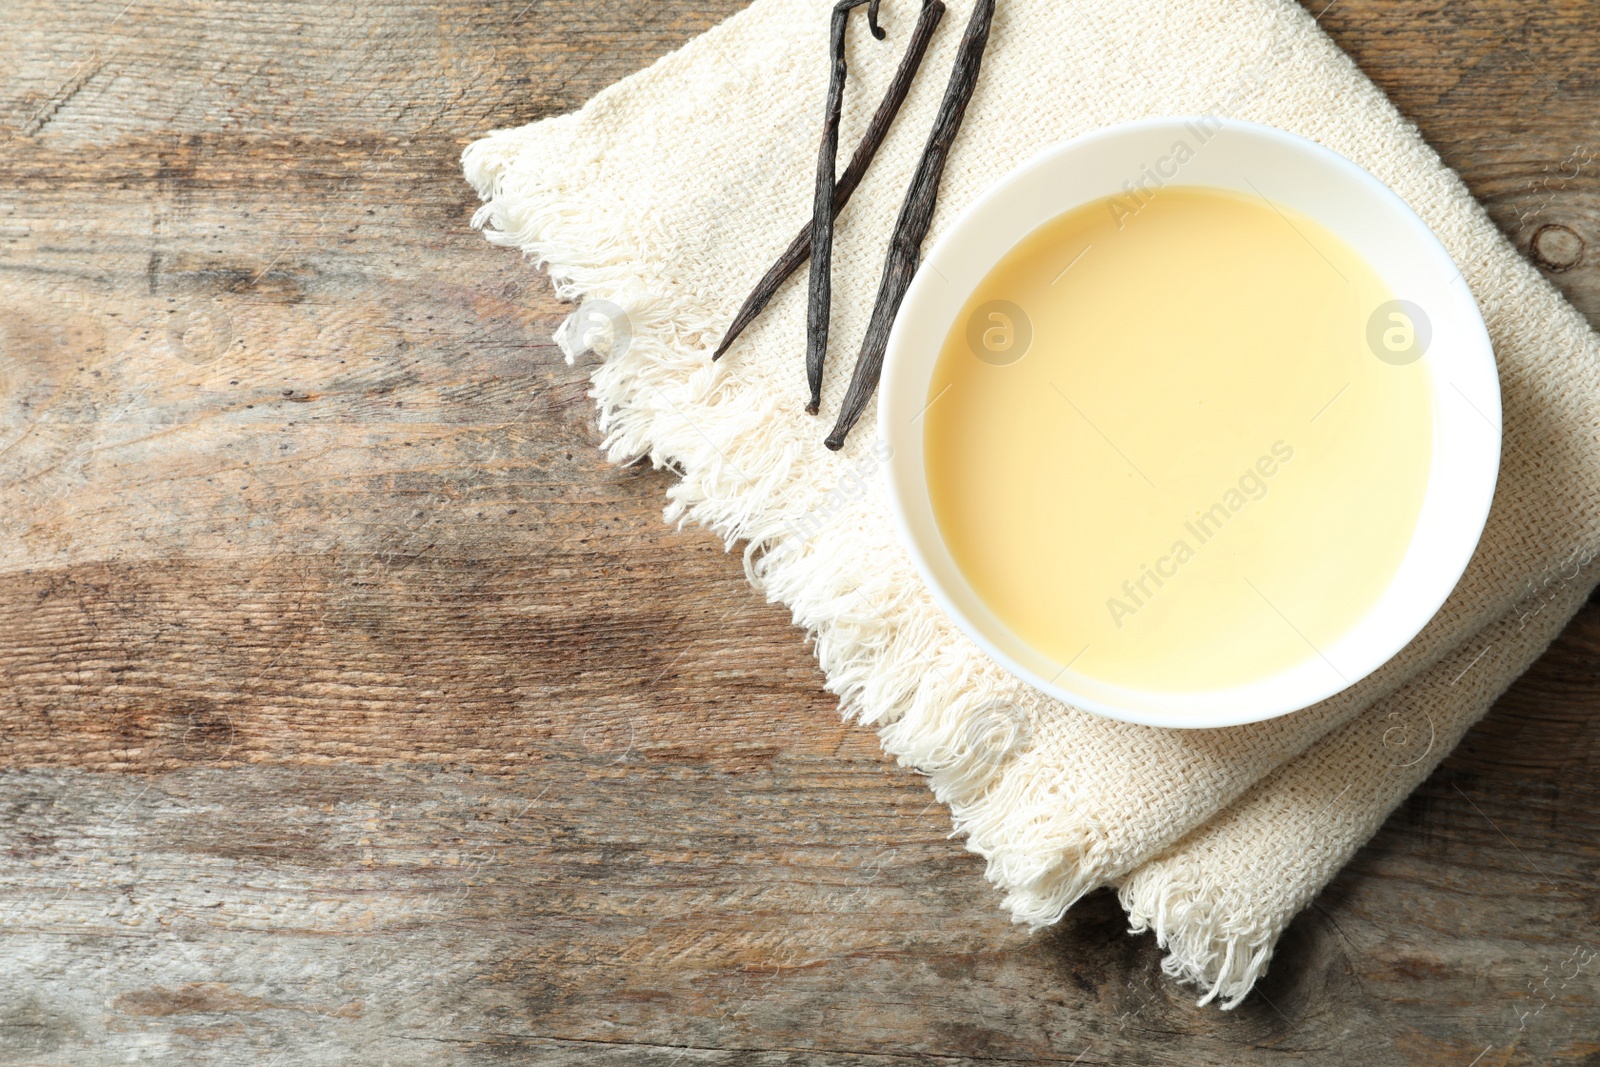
{"x": 916, "y": 214}
{"x": 819, "y": 293}
{"x": 800, "y": 248}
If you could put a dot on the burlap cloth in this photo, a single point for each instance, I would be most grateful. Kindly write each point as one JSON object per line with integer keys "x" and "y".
{"x": 668, "y": 194}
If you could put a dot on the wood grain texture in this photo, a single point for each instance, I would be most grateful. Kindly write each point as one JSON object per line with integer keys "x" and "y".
{"x": 352, "y": 711}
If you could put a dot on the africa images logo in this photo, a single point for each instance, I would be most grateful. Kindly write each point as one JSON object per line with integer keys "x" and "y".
{"x": 1137, "y": 592}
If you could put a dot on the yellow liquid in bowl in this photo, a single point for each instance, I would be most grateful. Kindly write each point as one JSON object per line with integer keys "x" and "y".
{"x": 1198, "y": 472}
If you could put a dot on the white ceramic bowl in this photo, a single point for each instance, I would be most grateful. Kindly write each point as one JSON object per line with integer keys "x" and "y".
{"x": 1289, "y": 170}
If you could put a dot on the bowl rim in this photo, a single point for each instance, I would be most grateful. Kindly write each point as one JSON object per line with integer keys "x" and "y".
{"x": 1476, "y": 346}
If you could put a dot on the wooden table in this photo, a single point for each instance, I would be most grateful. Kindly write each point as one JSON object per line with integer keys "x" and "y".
{"x": 355, "y": 712}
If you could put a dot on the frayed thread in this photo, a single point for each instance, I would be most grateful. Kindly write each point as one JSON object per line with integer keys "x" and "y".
{"x": 952, "y": 716}
{"x": 1207, "y": 947}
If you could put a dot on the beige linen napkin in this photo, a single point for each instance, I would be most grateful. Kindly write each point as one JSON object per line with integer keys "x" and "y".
{"x": 665, "y": 197}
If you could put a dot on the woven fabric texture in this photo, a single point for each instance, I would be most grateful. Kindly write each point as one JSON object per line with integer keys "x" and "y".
{"x": 667, "y": 195}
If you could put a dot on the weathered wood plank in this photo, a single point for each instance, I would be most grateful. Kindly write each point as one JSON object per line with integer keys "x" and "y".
{"x": 352, "y": 710}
